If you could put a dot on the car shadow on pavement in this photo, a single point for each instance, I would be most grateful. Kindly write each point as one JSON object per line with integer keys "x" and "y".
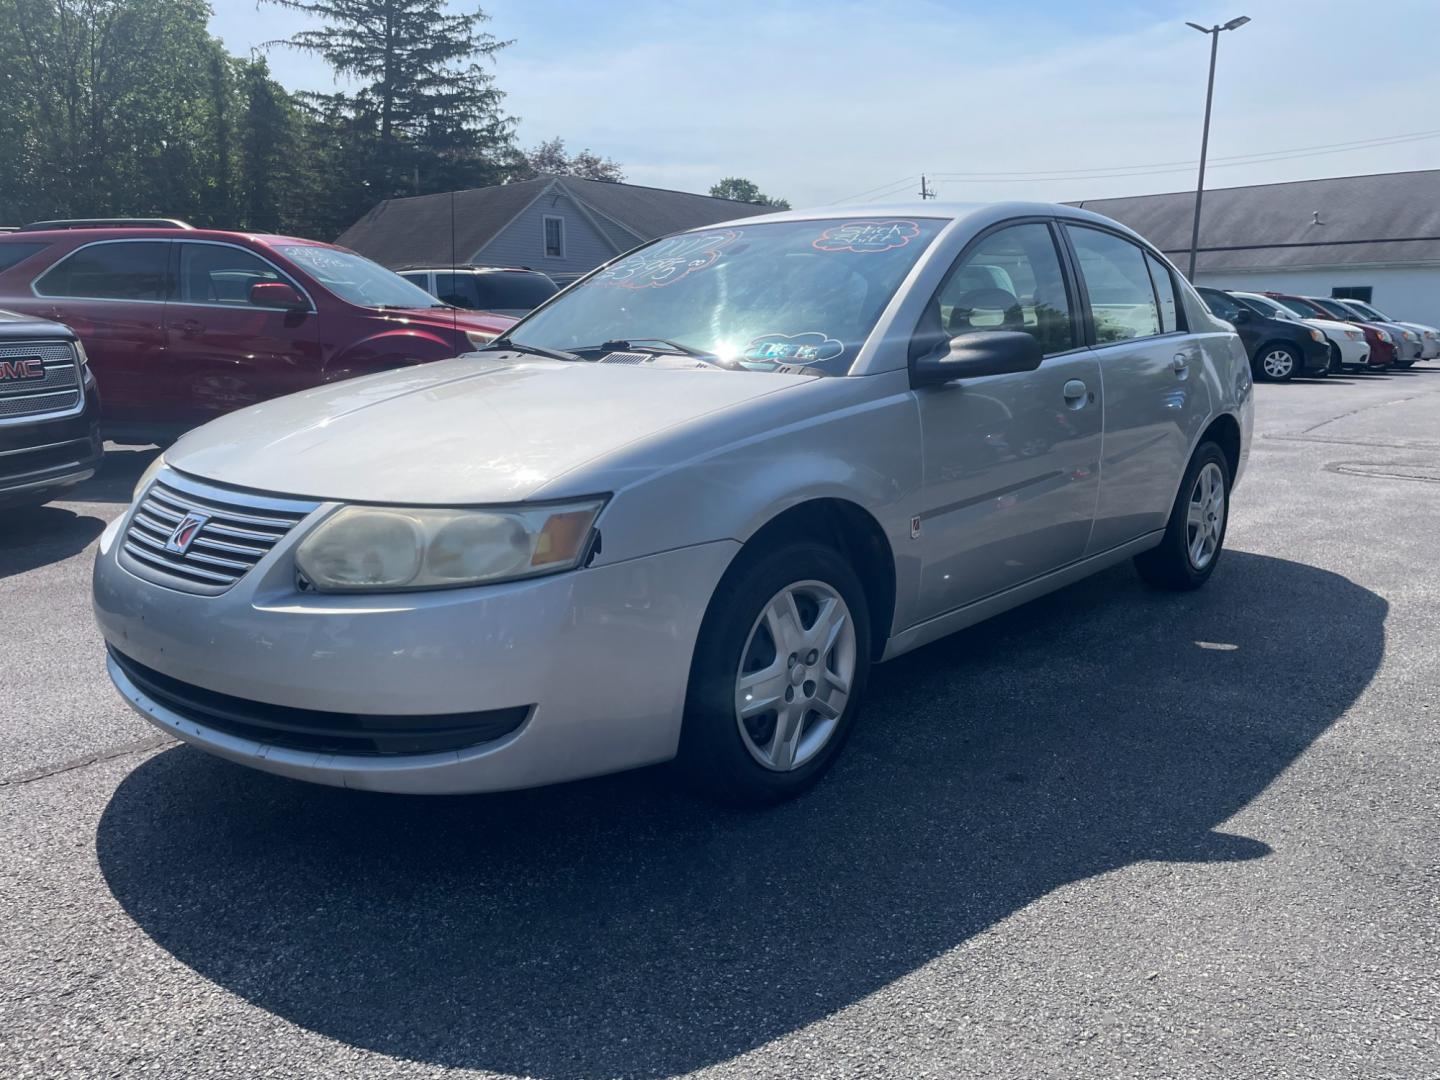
{"x": 616, "y": 927}
{"x": 115, "y": 481}
{"x": 40, "y": 535}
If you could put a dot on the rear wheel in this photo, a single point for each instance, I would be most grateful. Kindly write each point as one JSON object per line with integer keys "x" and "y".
{"x": 780, "y": 666}
{"x": 1195, "y": 533}
{"x": 1277, "y": 363}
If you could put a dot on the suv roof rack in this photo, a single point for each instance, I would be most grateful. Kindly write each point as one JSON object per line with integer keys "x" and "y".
{"x": 106, "y": 223}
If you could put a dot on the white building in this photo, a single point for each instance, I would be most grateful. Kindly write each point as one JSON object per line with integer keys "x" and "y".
{"x": 1373, "y": 237}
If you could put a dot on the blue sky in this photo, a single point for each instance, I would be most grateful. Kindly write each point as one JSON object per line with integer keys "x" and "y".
{"x": 822, "y": 100}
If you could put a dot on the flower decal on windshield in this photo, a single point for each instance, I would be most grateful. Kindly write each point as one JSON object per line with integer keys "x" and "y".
{"x": 867, "y": 236}
{"x": 811, "y": 347}
{"x": 668, "y": 261}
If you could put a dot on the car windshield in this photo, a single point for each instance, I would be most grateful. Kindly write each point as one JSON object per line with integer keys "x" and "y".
{"x": 1309, "y": 310}
{"x": 355, "y": 278}
{"x": 1338, "y": 311}
{"x": 1366, "y": 311}
{"x": 765, "y": 296}
{"x": 1266, "y": 307}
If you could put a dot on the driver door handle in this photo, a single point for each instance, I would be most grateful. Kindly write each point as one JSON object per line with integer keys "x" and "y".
{"x": 1076, "y": 394}
{"x": 1179, "y": 363}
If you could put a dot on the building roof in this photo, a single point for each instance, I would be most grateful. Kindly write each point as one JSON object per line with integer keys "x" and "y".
{"x": 1383, "y": 218}
{"x": 400, "y": 231}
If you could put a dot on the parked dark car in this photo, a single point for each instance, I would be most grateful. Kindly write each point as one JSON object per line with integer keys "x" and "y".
{"x": 512, "y": 291}
{"x": 1383, "y": 346}
{"x": 183, "y": 325}
{"x": 49, "y": 411}
{"x": 1279, "y": 349}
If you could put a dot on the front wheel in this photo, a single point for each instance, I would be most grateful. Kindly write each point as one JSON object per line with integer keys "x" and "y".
{"x": 1195, "y": 533}
{"x": 1277, "y": 363}
{"x": 780, "y": 666}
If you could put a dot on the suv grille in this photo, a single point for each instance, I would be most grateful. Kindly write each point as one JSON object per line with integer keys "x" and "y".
{"x": 237, "y": 529}
{"x": 57, "y": 391}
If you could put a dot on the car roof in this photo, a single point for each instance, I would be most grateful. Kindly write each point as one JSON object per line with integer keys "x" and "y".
{"x": 951, "y": 211}
{"x": 448, "y": 268}
{"x": 89, "y": 235}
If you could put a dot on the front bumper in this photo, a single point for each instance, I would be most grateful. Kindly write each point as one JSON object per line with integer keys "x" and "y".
{"x": 1316, "y": 356}
{"x": 50, "y": 453}
{"x": 599, "y": 658}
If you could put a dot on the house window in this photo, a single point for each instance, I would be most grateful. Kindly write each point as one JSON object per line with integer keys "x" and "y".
{"x": 554, "y": 237}
{"x": 1353, "y": 292}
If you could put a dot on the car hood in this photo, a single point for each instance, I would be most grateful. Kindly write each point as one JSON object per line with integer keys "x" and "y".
{"x": 1327, "y": 326}
{"x": 476, "y": 429}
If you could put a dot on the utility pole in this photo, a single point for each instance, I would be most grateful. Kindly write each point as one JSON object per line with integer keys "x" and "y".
{"x": 925, "y": 192}
{"x": 1214, "y": 32}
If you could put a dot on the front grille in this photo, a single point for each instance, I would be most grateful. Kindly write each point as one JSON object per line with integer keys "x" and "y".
{"x": 316, "y": 730}
{"x": 239, "y": 530}
{"x": 57, "y": 391}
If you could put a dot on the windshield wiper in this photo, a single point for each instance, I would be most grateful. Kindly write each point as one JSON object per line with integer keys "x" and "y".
{"x": 649, "y": 343}
{"x": 502, "y": 344}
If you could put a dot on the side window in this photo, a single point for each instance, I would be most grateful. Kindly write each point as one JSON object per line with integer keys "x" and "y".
{"x": 127, "y": 270}
{"x": 1165, "y": 292}
{"x": 216, "y": 274}
{"x": 1010, "y": 280}
{"x": 1122, "y": 296}
{"x": 456, "y": 289}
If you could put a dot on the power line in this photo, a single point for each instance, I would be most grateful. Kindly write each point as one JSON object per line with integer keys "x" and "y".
{"x": 1120, "y": 171}
{"x": 883, "y": 187}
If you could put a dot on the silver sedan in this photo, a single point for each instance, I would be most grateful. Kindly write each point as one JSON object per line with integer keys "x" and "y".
{"x": 681, "y": 509}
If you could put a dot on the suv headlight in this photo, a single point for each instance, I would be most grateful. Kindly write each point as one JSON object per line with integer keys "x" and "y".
{"x": 81, "y": 353}
{"x": 478, "y": 339}
{"x": 388, "y": 548}
{"x": 145, "y": 477}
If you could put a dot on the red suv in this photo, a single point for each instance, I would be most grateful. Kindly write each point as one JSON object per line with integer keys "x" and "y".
{"x": 183, "y": 324}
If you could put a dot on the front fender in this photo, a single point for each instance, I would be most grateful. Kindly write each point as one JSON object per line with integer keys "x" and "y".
{"x": 855, "y": 439}
{"x": 401, "y": 347}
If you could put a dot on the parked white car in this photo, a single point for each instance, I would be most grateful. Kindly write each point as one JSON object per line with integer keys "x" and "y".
{"x": 1350, "y": 341}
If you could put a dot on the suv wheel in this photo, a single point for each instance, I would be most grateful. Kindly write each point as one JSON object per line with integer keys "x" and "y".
{"x": 1277, "y": 363}
{"x": 780, "y": 666}
{"x": 1195, "y": 533}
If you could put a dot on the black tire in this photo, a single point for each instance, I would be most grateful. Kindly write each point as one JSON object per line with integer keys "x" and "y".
{"x": 1336, "y": 366}
{"x": 1170, "y": 565}
{"x": 713, "y": 754}
{"x": 1279, "y": 354}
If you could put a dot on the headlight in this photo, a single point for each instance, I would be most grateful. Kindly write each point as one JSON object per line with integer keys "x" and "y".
{"x": 147, "y": 476}
{"x": 1384, "y": 335}
{"x": 478, "y": 339}
{"x": 1410, "y": 336}
{"x": 80, "y": 352}
{"x": 1317, "y": 335}
{"x": 383, "y": 549}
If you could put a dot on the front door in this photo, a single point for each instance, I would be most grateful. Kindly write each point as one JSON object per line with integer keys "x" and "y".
{"x": 1156, "y": 396}
{"x": 1011, "y": 461}
{"x": 226, "y": 352}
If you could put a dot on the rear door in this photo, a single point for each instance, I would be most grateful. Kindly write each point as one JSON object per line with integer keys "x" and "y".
{"x": 1010, "y": 475}
{"x": 225, "y": 352}
{"x": 112, "y": 294}
{"x": 1150, "y": 366}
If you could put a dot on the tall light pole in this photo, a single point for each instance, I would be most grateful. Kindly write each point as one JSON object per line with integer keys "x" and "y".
{"x": 1214, "y": 32}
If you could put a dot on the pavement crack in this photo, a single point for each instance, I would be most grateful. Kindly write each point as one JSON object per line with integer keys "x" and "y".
{"x": 139, "y": 746}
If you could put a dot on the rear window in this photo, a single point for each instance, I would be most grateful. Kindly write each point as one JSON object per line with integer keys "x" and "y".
{"x": 110, "y": 270}
{"x": 17, "y": 251}
{"x": 517, "y": 292}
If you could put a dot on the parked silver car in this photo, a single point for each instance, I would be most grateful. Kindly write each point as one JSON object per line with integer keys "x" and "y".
{"x": 682, "y": 508}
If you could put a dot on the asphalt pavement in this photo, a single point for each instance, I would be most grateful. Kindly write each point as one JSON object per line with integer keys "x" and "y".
{"x": 1116, "y": 832}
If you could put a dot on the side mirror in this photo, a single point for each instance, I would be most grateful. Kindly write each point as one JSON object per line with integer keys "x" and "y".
{"x": 981, "y": 352}
{"x": 277, "y": 294}
{"x": 1242, "y": 316}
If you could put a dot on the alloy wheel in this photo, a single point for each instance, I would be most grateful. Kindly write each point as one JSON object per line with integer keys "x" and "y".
{"x": 1205, "y": 519}
{"x": 1278, "y": 364}
{"x": 795, "y": 675}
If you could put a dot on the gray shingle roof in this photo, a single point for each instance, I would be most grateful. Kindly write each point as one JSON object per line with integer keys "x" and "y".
{"x": 401, "y": 231}
{"x": 1381, "y": 218}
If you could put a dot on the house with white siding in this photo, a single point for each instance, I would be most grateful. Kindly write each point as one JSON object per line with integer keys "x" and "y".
{"x": 562, "y": 225}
